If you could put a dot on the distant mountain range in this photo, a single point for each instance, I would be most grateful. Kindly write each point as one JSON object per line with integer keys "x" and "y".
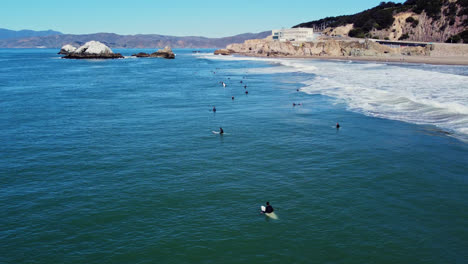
{"x": 54, "y": 39}
{"x": 11, "y": 34}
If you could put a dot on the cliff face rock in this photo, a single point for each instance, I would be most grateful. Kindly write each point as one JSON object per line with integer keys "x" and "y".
{"x": 332, "y": 48}
{"x": 420, "y": 27}
{"x": 430, "y": 29}
{"x": 338, "y": 31}
{"x": 67, "y": 49}
{"x": 93, "y": 50}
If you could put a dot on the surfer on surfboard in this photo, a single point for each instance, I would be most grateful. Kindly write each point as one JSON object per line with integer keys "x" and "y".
{"x": 220, "y": 132}
{"x": 269, "y": 209}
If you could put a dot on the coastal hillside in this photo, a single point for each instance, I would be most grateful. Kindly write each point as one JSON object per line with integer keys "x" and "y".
{"x": 128, "y": 41}
{"x": 11, "y": 34}
{"x": 414, "y": 20}
{"x": 351, "y": 49}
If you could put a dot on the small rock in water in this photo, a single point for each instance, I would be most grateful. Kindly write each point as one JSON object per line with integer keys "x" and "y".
{"x": 164, "y": 53}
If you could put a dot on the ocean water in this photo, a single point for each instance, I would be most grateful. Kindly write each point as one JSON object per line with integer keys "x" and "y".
{"x": 114, "y": 161}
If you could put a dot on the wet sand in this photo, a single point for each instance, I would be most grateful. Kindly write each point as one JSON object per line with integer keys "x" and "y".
{"x": 447, "y": 60}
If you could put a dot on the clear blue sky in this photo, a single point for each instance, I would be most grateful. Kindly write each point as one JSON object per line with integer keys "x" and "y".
{"x": 177, "y": 17}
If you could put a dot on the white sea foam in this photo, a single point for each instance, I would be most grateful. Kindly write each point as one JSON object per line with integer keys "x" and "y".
{"x": 263, "y": 70}
{"x": 400, "y": 93}
{"x": 211, "y": 56}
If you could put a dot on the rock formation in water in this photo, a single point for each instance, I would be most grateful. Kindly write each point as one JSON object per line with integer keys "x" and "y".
{"x": 67, "y": 49}
{"x": 222, "y": 52}
{"x": 141, "y": 55}
{"x": 93, "y": 50}
{"x": 162, "y": 53}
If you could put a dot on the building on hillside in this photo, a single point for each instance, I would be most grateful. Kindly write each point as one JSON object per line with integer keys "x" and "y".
{"x": 294, "y": 34}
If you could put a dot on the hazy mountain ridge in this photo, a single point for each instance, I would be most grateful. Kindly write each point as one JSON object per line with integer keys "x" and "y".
{"x": 416, "y": 20}
{"x": 12, "y": 34}
{"x": 129, "y": 41}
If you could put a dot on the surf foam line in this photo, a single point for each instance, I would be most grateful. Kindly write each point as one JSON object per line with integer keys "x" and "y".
{"x": 392, "y": 92}
{"x": 408, "y": 94}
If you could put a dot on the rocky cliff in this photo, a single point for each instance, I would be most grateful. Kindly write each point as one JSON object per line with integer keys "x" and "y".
{"x": 418, "y": 27}
{"x": 342, "y": 48}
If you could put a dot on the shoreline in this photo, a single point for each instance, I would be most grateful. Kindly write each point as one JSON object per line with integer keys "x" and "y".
{"x": 449, "y": 60}
{"x": 432, "y": 60}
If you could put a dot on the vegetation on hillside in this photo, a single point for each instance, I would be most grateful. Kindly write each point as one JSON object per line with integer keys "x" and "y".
{"x": 461, "y": 37}
{"x": 381, "y": 16}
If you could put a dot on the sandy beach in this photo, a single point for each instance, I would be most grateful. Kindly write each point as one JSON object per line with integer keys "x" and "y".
{"x": 448, "y": 60}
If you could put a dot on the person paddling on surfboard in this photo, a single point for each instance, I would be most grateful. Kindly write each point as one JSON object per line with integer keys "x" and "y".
{"x": 221, "y": 131}
{"x": 269, "y": 209}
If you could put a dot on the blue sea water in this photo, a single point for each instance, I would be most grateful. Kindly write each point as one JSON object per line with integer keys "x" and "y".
{"x": 114, "y": 161}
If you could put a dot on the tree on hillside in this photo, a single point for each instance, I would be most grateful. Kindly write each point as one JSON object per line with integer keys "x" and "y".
{"x": 432, "y": 7}
{"x": 384, "y": 18}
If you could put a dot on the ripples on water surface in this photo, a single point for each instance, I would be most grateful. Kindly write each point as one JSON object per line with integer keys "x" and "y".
{"x": 115, "y": 162}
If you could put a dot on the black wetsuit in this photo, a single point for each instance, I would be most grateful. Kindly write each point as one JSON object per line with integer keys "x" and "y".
{"x": 221, "y": 131}
{"x": 269, "y": 209}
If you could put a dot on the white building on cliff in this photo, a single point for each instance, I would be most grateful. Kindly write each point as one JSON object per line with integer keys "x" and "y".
{"x": 294, "y": 34}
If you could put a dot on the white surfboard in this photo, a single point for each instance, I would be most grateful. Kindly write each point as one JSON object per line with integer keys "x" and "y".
{"x": 271, "y": 215}
{"x": 215, "y": 132}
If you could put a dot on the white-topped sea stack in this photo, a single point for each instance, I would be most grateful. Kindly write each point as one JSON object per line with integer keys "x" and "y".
{"x": 67, "y": 49}
{"x": 93, "y": 50}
